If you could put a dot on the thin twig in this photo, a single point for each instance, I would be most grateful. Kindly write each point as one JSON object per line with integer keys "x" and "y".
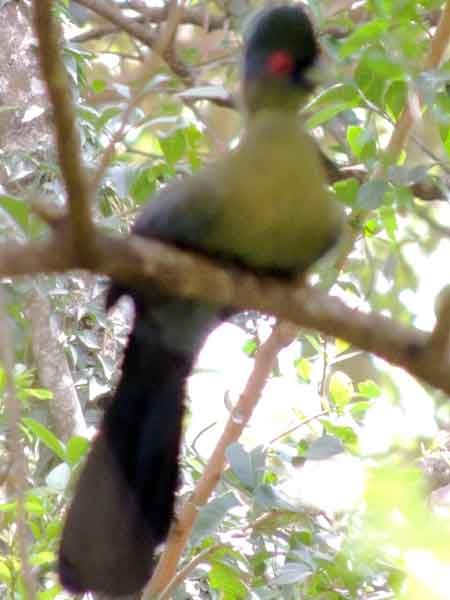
{"x": 324, "y": 367}
{"x": 184, "y": 572}
{"x": 322, "y": 413}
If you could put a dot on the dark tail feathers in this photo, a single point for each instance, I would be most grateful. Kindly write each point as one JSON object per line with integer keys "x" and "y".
{"x": 124, "y": 501}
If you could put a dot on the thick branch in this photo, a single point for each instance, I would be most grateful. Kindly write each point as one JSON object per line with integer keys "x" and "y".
{"x": 142, "y": 262}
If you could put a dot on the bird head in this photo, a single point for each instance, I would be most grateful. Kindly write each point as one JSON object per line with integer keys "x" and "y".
{"x": 280, "y": 51}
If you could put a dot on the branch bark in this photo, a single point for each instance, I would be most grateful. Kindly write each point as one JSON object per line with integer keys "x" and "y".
{"x": 140, "y": 32}
{"x": 156, "y": 14}
{"x": 54, "y": 371}
{"x": 143, "y": 262}
{"x": 67, "y": 138}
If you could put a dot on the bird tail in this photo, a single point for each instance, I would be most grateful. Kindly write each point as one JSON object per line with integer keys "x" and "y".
{"x": 124, "y": 501}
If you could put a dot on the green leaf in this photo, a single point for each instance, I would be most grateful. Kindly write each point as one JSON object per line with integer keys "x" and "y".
{"x": 39, "y": 393}
{"x": 42, "y": 558}
{"x": 8, "y": 507}
{"x": 371, "y": 194}
{"x": 98, "y": 86}
{"x": 34, "y": 506}
{"x": 250, "y": 347}
{"x": 370, "y": 82}
{"x": 347, "y": 190}
{"x": 337, "y": 94}
{"x": 369, "y": 389}
{"x": 389, "y": 221}
{"x": 341, "y": 389}
{"x": 247, "y": 466}
{"x": 368, "y": 32}
{"x": 269, "y": 498}
{"x": 292, "y": 573}
{"x": 361, "y": 142}
{"x": 107, "y": 115}
{"x": 89, "y": 114}
{"x": 344, "y": 433}
{"x": 395, "y": 98}
{"x": 5, "y": 573}
{"x": 143, "y": 185}
{"x": 53, "y": 529}
{"x": 304, "y": 368}
{"x": 325, "y": 447}
{"x": 341, "y": 345}
{"x": 323, "y": 116}
{"x": 173, "y": 146}
{"x": 406, "y": 176}
{"x": 76, "y": 448}
{"x": 17, "y": 209}
{"x": 211, "y": 515}
{"x": 226, "y": 580}
{"x": 359, "y": 409}
{"x": 45, "y": 436}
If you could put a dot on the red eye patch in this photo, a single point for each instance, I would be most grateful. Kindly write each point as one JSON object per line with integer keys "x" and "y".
{"x": 280, "y": 63}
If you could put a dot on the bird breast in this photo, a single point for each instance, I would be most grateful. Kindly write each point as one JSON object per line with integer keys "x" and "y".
{"x": 277, "y": 212}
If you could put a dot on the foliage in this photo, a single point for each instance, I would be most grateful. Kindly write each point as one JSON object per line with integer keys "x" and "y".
{"x": 334, "y": 509}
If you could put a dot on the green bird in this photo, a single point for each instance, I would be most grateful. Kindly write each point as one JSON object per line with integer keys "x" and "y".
{"x": 263, "y": 207}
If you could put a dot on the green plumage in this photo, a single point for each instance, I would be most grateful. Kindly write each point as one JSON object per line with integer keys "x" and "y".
{"x": 264, "y": 205}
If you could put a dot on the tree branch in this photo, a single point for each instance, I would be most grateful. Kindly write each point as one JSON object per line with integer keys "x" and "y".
{"x": 199, "y": 16}
{"x": 185, "y": 571}
{"x": 143, "y": 262}
{"x": 239, "y": 417}
{"x": 67, "y": 138}
{"x": 133, "y": 27}
{"x": 153, "y": 14}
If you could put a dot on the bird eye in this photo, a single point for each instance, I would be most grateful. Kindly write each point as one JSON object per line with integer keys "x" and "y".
{"x": 280, "y": 63}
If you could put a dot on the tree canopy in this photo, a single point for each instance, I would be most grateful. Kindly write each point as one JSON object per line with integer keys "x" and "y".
{"x": 337, "y": 484}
